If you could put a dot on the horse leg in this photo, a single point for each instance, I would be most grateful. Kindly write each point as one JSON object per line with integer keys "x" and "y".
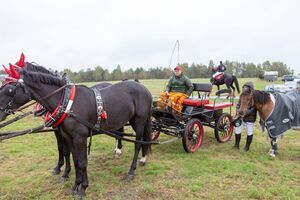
{"x": 228, "y": 87}
{"x": 119, "y": 145}
{"x": 79, "y": 153}
{"x": 146, "y": 137}
{"x": 233, "y": 90}
{"x": 66, "y": 151}
{"x": 274, "y": 148}
{"x": 59, "y": 139}
{"x": 138, "y": 127}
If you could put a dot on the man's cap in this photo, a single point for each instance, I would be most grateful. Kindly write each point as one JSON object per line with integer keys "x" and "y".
{"x": 178, "y": 68}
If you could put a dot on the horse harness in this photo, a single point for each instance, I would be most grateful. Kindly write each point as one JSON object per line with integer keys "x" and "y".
{"x": 63, "y": 108}
{"x": 8, "y": 108}
{"x": 101, "y": 114}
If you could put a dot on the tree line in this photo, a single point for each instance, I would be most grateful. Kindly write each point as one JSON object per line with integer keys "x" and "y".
{"x": 240, "y": 69}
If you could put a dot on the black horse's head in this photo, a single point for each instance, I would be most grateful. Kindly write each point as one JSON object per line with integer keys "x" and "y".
{"x": 12, "y": 96}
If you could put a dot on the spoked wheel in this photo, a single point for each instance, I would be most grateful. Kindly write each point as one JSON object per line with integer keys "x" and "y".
{"x": 155, "y": 133}
{"x": 223, "y": 128}
{"x": 192, "y": 136}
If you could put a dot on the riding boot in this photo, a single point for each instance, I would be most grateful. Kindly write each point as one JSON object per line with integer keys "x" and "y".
{"x": 248, "y": 142}
{"x": 237, "y": 141}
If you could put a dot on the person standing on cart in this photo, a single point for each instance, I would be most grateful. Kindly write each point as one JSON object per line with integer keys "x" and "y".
{"x": 179, "y": 88}
{"x": 247, "y": 121}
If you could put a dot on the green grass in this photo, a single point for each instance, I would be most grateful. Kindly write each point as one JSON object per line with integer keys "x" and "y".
{"x": 215, "y": 171}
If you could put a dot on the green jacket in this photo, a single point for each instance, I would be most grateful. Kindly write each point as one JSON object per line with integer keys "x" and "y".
{"x": 180, "y": 84}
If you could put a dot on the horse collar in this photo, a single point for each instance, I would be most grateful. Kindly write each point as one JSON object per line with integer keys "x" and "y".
{"x": 63, "y": 108}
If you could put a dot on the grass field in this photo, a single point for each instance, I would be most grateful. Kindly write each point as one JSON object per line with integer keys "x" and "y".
{"x": 215, "y": 171}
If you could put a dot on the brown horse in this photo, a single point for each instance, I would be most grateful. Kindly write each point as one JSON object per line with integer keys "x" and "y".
{"x": 264, "y": 103}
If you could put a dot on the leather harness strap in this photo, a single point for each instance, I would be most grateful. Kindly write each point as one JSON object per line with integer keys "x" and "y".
{"x": 63, "y": 108}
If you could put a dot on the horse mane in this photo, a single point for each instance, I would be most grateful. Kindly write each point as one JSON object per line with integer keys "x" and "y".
{"x": 261, "y": 97}
{"x": 39, "y": 77}
{"x": 33, "y": 67}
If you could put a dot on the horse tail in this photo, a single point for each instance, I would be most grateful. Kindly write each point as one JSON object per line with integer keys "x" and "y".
{"x": 148, "y": 133}
{"x": 236, "y": 84}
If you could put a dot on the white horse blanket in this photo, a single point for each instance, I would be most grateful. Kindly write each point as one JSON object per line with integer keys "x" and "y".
{"x": 285, "y": 115}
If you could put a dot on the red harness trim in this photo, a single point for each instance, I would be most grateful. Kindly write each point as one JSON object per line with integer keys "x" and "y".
{"x": 49, "y": 116}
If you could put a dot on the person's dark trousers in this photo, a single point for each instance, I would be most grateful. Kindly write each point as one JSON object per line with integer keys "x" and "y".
{"x": 248, "y": 142}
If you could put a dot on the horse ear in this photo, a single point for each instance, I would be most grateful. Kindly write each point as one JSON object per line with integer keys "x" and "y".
{"x": 14, "y": 72}
{"x": 21, "y": 61}
{"x": 6, "y": 70}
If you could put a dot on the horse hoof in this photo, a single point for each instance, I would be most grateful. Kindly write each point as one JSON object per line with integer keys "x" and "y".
{"x": 118, "y": 153}
{"x": 64, "y": 179}
{"x": 130, "y": 177}
{"x": 142, "y": 163}
{"x": 80, "y": 195}
{"x": 55, "y": 171}
{"x": 71, "y": 192}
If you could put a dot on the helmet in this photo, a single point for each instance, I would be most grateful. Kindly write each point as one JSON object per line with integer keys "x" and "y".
{"x": 248, "y": 85}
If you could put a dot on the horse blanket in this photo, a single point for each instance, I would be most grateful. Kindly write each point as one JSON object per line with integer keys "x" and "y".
{"x": 285, "y": 115}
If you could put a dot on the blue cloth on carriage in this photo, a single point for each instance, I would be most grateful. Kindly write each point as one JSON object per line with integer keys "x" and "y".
{"x": 286, "y": 113}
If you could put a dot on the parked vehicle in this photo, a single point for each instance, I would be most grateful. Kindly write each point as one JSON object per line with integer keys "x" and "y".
{"x": 292, "y": 84}
{"x": 288, "y": 78}
{"x": 277, "y": 88}
{"x": 270, "y": 76}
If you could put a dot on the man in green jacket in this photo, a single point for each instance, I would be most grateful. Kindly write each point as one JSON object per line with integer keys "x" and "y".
{"x": 179, "y": 88}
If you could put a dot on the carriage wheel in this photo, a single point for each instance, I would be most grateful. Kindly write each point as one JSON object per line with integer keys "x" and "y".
{"x": 155, "y": 135}
{"x": 192, "y": 136}
{"x": 223, "y": 128}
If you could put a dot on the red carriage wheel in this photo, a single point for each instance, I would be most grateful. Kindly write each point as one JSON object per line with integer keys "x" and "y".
{"x": 192, "y": 136}
{"x": 155, "y": 135}
{"x": 223, "y": 128}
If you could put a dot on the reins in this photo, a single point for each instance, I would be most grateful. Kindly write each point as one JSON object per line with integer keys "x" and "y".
{"x": 52, "y": 93}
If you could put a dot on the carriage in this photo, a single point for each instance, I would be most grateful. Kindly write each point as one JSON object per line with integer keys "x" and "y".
{"x": 197, "y": 112}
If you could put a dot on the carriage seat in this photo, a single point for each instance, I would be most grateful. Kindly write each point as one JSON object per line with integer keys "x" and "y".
{"x": 202, "y": 87}
{"x": 217, "y": 106}
{"x": 195, "y": 102}
{"x": 199, "y": 87}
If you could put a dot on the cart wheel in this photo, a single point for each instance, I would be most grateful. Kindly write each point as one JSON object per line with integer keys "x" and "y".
{"x": 223, "y": 128}
{"x": 192, "y": 136}
{"x": 154, "y": 135}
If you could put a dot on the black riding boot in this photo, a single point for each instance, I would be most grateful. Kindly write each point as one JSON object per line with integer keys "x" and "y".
{"x": 248, "y": 142}
{"x": 237, "y": 141}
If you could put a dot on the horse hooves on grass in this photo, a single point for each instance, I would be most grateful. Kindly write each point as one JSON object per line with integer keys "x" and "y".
{"x": 71, "y": 192}
{"x": 55, "y": 171}
{"x": 142, "y": 163}
{"x": 129, "y": 177}
{"x": 64, "y": 179}
{"x": 80, "y": 195}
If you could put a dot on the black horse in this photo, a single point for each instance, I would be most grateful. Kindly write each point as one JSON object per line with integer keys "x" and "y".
{"x": 228, "y": 80}
{"x": 20, "y": 96}
{"x": 123, "y": 102}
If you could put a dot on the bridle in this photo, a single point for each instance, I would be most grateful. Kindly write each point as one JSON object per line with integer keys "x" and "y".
{"x": 250, "y": 104}
{"x": 8, "y": 107}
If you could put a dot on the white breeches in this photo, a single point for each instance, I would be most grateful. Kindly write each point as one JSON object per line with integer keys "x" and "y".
{"x": 249, "y": 128}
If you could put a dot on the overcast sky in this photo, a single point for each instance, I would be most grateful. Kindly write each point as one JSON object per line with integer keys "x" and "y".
{"x": 139, "y": 33}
